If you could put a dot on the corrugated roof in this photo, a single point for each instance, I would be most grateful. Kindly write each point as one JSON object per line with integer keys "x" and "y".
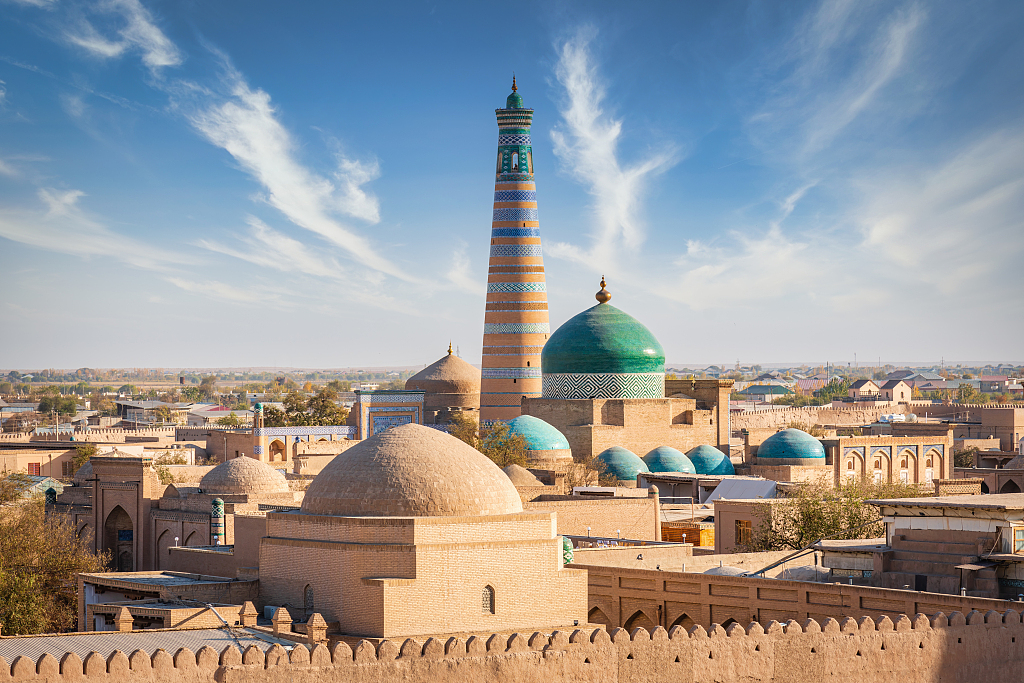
{"x": 106, "y": 642}
{"x": 743, "y": 489}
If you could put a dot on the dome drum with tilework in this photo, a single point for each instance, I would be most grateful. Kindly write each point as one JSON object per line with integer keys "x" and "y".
{"x": 603, "y": 353}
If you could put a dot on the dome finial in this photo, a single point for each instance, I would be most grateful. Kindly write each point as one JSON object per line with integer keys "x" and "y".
{"x": 449, "y": 347}
{"x": 604, "y": 296}
{"x": 514, "y": 88}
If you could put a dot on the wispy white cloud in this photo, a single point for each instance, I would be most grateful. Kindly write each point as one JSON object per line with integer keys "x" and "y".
{"x": 833, "y": 71}
{"x": 245, "y": 124}
{"x": 137, "y": 32}
{"x": 35, "y": 3}
{"x": 64, "y": 227}
{"x": 459, "y": 273}
{"x": 586, "y": 143}
{"x": 271, "y": 249}
{"x": 957, "y": 226}
{"x": 214, "y": 289}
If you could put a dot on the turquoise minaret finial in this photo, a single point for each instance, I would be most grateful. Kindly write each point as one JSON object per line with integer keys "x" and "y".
{"x": 516, "y": 316}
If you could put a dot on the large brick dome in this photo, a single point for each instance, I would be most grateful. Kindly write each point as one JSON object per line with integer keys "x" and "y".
{"x": 411, "y": 471}
{"x": 243, "y": 475}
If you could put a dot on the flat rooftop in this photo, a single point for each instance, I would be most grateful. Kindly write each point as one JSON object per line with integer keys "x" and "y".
{"x": 155, "y": 578}
{"x": 149, "y": 641}
{"x": 989, "y": 501}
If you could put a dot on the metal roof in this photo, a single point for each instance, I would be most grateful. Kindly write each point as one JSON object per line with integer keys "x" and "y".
{"x": 106, "y": 642}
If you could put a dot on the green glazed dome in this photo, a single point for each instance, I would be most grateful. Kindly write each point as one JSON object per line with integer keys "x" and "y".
{"x": 710, "y": 460}
{"x": 791, "y": 444}
{"x": 622, "y": 463}
{"x": 668, "y": 459}
{"x": 539, "y": 435}
{"x": 602, "y": 339}
{"x": 514, "y": 101}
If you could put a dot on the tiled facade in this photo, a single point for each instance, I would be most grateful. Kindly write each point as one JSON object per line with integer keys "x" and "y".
{"x": 516, "y": 316}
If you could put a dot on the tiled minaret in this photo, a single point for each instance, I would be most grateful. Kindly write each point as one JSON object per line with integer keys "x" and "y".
{"x": 516, "y": 318}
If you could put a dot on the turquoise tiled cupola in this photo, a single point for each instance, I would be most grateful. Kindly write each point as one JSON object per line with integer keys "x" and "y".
{"x": 603, "y": 353}
{"x": 791, "y": 447}
{"x": 622, "y": 463}
{"x": 668, "y": 459}
{"x": 539, "y": 435}
{"x": 710, "y": 460}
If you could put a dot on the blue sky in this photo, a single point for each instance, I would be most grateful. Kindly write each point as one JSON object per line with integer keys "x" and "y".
{"x": 309, "y": 184}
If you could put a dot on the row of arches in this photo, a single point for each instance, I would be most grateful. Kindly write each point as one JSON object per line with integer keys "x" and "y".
{"x": 907, "y": 467}
{"x": 640, "y": 619}
{"x": 277, "y": 450}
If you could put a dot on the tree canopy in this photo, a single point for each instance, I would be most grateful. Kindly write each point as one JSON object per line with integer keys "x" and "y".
{"x": 40, "y": 558}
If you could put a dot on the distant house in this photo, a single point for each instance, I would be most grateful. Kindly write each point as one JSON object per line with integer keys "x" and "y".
{"x": 863, "y": 389}
{"x": 994, "y": 384}
{"x": 895, "y": 390}
{"x": 206, "y": 415}
{"x": 766, "y": 392}
{"x": 900, "y": 374}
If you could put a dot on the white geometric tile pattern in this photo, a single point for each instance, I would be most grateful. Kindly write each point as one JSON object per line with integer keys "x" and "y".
{"x": 604, "y": 385}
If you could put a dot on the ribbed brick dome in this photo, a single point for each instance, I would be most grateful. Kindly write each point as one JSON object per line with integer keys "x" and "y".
{"x": 243, "y": 475}
{"x": 411, "y": 471}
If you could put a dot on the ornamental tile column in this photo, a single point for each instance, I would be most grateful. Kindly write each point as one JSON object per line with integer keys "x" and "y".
{"x": 516, "y": 316}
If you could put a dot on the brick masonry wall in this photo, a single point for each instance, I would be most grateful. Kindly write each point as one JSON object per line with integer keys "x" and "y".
{"x": 635, "y": 517}
{"x": 627, "y": 596}
{"x": 937, "y": 649}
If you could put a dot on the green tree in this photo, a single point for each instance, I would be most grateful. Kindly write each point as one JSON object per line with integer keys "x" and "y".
{"x": 274, "y": 417}
{"x": 82, "y": 455}
{"x": 208, "y": 387}
{"x": 40, "y": 558}
{"x": 837, "y": 388}
{"x": 295, "y": 409}
{"x": 63, "y": 405}
{"x": 965, "y": 458}
{"x": 230, "y": 420}
{"x": 966, "y": 393}
{"x": 497, "y": 442}
{"x": 323, "y": 411}
{"x": 816, "y": 510}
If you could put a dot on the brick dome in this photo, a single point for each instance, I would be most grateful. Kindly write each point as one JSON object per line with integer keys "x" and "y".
{"x": 411, "y": 471}
{"x": 450, "y": 375}
{"x": 243, "y": 475}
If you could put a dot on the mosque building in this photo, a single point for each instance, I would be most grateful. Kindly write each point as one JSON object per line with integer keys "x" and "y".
{"x": 603, "y": 379}
{"x": 516, "y": 315}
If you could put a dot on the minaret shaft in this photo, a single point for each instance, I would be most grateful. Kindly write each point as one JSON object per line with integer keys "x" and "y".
{"x": 516, "y": 316}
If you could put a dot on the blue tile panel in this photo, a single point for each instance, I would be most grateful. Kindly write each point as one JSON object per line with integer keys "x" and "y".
{"x": 515, "y": 232}
{"x": 516, "y": 328}
{"x": 493, "y": 287}
{"x": 514, "y": 139}
{"x": 604, "y": 385}
{"x": 515, "y": 215}
{"x": 383, "y": 423}
{"x": 340, "y": 430}
{"x": 515, "y": 195}
{"x": 516, "y": 251}
{"x": 511, "y": 373}
{"x": 389, "y": 398}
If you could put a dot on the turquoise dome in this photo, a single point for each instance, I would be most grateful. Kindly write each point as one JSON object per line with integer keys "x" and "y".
{"x": 622, "y": 463}
{"x": 710, "y": 460}
{"x": 539, "y": 435}
{"x": 668, "y": 459}
{"x": 602, "y": 339}
{"x": 791, "y": 444}
{"x": 514, "y": 101}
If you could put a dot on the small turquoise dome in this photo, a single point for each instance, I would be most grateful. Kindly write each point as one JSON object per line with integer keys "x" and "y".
{"x": 791, "y": 444}
{"x": 602, "y": 339}
{"x": 539, "y": 435}
{"x": 514, "y": 101}
{"x": 622, "y": 463}
{"x": 668, "y": 459}
{"x": 710, "y": 460}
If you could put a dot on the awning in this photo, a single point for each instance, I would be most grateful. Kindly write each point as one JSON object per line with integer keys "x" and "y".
{"x": 983, "y": 564}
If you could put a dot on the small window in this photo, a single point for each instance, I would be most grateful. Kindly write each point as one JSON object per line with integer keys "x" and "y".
{"x": 744, "y": 532}
{"x": 487, "y": 602}
{"x": 849, "y": 464}
{"x": 904, "y": 463}
{"x": 928, "y": 462}
{"x": 878, "y": 463}
{"x": 307, "y": 598}
{"x": 33, "y": 469}
{"x": 1018, "y": 539}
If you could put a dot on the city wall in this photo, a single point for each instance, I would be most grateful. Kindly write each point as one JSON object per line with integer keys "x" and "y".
{"x": 777, "y": 418}
{"x": 641, "y": 597}
{"x": 957, "y": 649}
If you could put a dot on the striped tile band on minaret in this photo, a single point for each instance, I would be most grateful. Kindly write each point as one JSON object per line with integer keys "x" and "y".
{"x": 516, "y": 318}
